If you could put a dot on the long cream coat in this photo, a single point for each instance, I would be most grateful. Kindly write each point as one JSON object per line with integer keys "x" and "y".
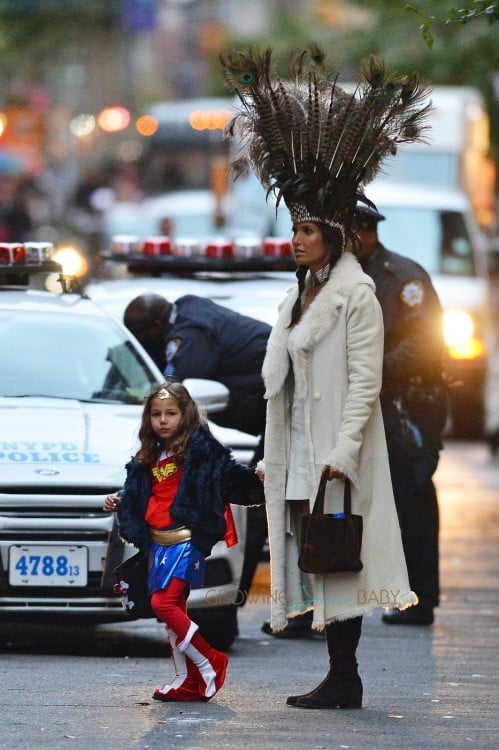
{"x": 340, "y": 343}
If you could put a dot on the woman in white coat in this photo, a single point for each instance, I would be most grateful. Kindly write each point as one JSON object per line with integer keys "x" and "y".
{"x": 323, "y": 376}
{"x": 317, "y": 146}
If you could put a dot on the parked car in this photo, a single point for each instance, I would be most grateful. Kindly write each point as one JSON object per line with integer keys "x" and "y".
{"x": 72, "y": 385}
{"x": 438, "y": 229}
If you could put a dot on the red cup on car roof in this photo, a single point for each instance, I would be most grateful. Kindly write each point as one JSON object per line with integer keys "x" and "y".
{"x": 276, "y": 247}
{"x": 219, "y": 249}
{"x": 12, "y": 252}
{"x": 161, "y": 245}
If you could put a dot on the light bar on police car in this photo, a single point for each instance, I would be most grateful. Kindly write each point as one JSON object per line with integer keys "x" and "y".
{"x": 184, "y": 254}
{"x": 19, "y": 261}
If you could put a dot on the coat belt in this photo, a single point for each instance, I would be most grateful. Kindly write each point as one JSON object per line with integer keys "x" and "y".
{"x": 169, "y": 536}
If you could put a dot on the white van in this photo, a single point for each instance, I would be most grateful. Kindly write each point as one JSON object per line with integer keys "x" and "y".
{"x": 457, "y": 154}
{"x": 437, "y": 228}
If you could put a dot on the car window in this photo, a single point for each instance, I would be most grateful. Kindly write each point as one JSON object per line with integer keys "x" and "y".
{"x": 195, "y": 225}
{"x": 438, "y": 240}
{"x": 69, "y": 357}
{"x": 431, "y": 167}
{"x": 127, "y": 218}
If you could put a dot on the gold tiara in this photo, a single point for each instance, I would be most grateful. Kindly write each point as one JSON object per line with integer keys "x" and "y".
{"x": 164, "y": 393}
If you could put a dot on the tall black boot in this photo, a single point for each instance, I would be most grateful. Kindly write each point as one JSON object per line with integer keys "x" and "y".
{"x": 342, "y": 687}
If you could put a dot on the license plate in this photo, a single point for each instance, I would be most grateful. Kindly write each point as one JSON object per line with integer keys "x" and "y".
{"x": 47, "y": 565}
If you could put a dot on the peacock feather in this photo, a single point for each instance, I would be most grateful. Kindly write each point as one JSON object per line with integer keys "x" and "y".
{"x": 310, "y": 141}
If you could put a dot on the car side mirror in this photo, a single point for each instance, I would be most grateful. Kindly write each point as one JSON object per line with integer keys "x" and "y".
{"x": 211, "y": 395}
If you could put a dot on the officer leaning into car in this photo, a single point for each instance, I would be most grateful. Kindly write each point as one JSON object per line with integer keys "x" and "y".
{"x": 414, "y": 405}
{"x": 196, "y": 338}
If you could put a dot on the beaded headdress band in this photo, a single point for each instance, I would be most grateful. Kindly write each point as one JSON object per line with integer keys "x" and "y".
{"x": 299, "y": 212}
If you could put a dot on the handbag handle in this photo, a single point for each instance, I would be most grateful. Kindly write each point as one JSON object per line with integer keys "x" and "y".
{"x": 318, "y": 508}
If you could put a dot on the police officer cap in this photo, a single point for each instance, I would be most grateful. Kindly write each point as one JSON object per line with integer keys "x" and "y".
{"x": 366, "y": 217}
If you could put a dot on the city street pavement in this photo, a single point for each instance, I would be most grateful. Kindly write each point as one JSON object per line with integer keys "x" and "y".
{"x": 425, "y": 688}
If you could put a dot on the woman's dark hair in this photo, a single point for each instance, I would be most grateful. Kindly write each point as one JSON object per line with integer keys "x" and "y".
{"x": 333, "y": 239}
{"x": 150, "y": 447}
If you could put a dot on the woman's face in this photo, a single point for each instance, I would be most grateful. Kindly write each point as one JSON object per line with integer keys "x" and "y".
{"x": 308, "y": 246}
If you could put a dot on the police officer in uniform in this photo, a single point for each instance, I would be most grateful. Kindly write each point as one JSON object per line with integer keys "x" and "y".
{"x": 196, "y": 338}
{"x": 414, "y": 405}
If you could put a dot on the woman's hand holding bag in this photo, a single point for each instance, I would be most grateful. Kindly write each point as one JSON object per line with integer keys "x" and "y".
{"x": 329, "y": 544}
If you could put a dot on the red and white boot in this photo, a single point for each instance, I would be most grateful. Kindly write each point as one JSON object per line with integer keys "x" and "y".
{"x": 187, "y": 684}
{"x": 211, "y": 664}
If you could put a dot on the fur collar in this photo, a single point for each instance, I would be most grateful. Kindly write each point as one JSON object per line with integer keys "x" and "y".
{"x": 316, "y": 323}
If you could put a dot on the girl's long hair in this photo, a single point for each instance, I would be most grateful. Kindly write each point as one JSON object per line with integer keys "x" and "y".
{"x": 333, "y": 239}
{"x": 150, "y": 447}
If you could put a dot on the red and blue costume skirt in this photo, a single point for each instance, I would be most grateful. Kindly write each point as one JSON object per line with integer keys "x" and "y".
{"x": 182, "y": 560}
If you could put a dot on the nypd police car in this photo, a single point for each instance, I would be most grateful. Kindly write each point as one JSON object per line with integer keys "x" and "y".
{"x": 72, "y": 384}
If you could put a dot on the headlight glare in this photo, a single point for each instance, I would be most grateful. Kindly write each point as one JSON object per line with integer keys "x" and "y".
{"x": 72, "y": 261}
{"x": 459, "y": 330}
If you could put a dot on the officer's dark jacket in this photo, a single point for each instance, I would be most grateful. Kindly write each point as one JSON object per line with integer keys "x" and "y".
{"x": 211, "y": 477}
{"x": 207, "y": 340}
{"x": 413, "y": 349}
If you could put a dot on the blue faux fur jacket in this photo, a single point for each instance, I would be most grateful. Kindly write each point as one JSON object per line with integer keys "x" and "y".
{"x": 211, "y": 477}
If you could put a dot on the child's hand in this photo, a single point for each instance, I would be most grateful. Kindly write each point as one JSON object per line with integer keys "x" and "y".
{"x": 260, "y": 470}
{"x": 111, "y": 503}
{"x": 260, "y": 474}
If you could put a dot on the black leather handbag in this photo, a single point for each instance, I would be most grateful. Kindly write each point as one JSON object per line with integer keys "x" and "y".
{"x": 131, "y": 584}
{"x": 330, "y": 544}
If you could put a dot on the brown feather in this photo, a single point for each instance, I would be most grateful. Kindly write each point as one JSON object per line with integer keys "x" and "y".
{"x": 310, "y": 140}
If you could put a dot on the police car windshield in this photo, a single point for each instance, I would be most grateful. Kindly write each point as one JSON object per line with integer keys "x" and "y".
{"x": 73, "y": 357}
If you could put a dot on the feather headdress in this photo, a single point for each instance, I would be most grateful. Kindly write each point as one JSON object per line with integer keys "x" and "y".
{"x": 309, "y": 141}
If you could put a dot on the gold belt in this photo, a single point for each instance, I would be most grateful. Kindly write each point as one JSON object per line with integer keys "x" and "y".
{"x": 169, "y": 536}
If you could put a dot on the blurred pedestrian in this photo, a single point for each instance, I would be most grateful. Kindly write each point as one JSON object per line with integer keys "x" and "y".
{"x": 15, "y": 219}
{"x": 413, "y": 402}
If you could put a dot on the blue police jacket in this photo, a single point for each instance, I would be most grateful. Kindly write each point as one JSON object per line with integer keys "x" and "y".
{"x": 413, "y": 346}
{"x": 206, "y": 340}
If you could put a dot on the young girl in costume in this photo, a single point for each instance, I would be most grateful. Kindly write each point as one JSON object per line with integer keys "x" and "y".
{"x": 174, "y": 506}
